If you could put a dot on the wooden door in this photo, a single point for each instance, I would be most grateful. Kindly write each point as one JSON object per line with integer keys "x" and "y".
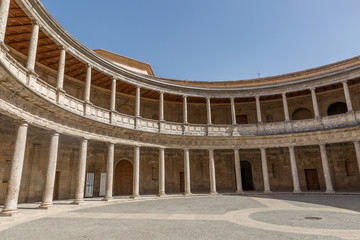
{"x": 123, "y": 178}
{"x": 56, "y": 186}
{"x": 182, "y": 183}
{"x": 312, "y": 179}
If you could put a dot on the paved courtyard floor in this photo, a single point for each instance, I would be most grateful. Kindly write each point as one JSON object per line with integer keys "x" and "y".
{"x": 276, "y": 216}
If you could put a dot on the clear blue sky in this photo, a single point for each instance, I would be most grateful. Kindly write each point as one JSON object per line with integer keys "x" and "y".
{"x": 217, "y": 39}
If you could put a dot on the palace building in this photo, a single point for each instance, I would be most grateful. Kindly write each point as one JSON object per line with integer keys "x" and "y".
{"x": 77, "y": 123}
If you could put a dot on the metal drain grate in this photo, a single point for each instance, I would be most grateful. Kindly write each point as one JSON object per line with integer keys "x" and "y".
{"x": 313, "y": 218}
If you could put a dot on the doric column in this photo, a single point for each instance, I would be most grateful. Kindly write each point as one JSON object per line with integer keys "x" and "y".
{"x": 239, "y": 188}
{"x": 47, "y": 199}
{"x": 80, "y": 184}
{"x": 161, "y": 107}
{"x": 161, "y": 172}
{"x": 265, "y": 171}
{"x": 185, "y": 109}
{"x": 212, "y": 172}
{"x": 294, "y": 170}
{"x": 208, "y": 110}
{"x": 233, "y": 111}
{"x": 326, "y": 169}
{"x": 87, "y": 84}
{"x": 187, "y": 172}
{"x": 258, "y": 109}
{"x": 113, "y": 95}
{"x": 357, "y": 151}
{"x": 61, "y": 69}
{"x": 109, "y": 173}
{"x": 4, "y": 12}
{"x": 347, "y": 96}
{"x": 315, "y": 103}
{"x": 137, "y": 103}
{"x": 13, "y": 188}
{"x": 136, "y": 175}
{"x": 33, "y": 48}
{"x": 286, "y": 109}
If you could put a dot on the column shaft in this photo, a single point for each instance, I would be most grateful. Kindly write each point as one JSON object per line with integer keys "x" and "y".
{"x": 258, "y": 109}
{"x": 265, "y": 171}
{"x": 161, "y": 107}
{"x": 187, "y": 172}
{"x": 239, "y": 188}
{"x": 315, "y": 103}
{"x": 87, "y": 84}
{"x": 294, "y": 170}
{"x": 326, "y": 169}
{"x": 61, "y": 69}
{"x": 286, "y": 109}
{"x": 109, "y": 172}
{"x": 80, "y": 184}
{"x": 161, "y": 172}
{"x": 13, "y": 188}
{"x": 212, "y": 172}
{"x": 113, "y": 95}
{"x": 136, "y": 175}
{"x": 357, "y": 151}
{"x": 185, "y": 109}
{"x": 233, "y": 111}
{"x": 33, "y": 48}
{"x": 137, "y": 104}
{"x": 208, "y": 111}
{"x": 347, "y": 96}
{"x": 4, "y": 12}
{"x": 47, "y": 199}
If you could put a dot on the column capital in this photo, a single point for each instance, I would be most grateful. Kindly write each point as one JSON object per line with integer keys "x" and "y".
{"x": 211, "y": 149}
{"x": 21, "y": 122}
{"x": 162, "y": 148}
{"x": 232, "y": 98}
{"x": 344, "y": 81}
{"x": 283, "y": 94}
{"x": 62, "y": 47}
{"x": 138, "y": 86}
{"x": 322, "y": 144}
{"x": 186, "y": 149}
{"x": 184, "y": 96}
{"x": 207, "y": 98}
{"x": 88, "y": 65}
{"x": 114, "y": 79}
{"x": 291, "y": 146}
{"x": 35, "y": 22}
{"x": 257, "y": 97}
{"x": 161, "y": 92}
{"x": 54, "y": 133}
{"x": 236, "y": 149}
{"x": 312, "y": 89}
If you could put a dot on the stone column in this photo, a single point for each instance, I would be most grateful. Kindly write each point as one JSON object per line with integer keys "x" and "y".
{"x": 265, "y": 171}
{"x": 357, "y": 151}
{"x": 47, "y": 199}
{"x": 136, "y": 175}
{"x": 185, "y": 110}
{"x": 109, "y": 173}
{"x": 33, "y": 48}
{"x": 161, "y": 107}
{"x": 286, "y": 109}
{"x": 294, "y": 170}
{"x": 326, "y": 169}
{"x": 258, "y": 109}
{"x": 13, "y": 188}
{"x": 113, "y": 95}
{"x": 208, "y": 111}
{"x": 187, "y": 172}
{"x": 88, "y": 84}
{"x": 162, "y": 172}
{"x": 347, "y": 96}
{"x": 212, "y": 172}
{"x": 61, "y": 69}
{"x": 137, "y": 103}
{"x": 80, "y": 184}
{"x": 233, "y": 111}
{"x": 4, "y": 12}
{"x": 239, "y": 188}
{"x": 315, "y": 103}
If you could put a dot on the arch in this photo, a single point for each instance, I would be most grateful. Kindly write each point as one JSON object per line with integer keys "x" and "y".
{"x": 337, "y": 108}
{"x": 123, "y": 178}
{"x": 302, "y": 113}
{"x": 246, "y": 175}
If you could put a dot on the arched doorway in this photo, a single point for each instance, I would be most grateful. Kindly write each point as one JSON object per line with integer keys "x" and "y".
{"x": 123, "y": 178}
{"x": 337, "y": 108}
{"x": 246, "y": 175}
{"x": 302, "y": 113}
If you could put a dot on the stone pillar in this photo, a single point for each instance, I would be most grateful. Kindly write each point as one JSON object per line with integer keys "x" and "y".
{"x": 162, "y": 172}
{"x": 113, "y": 95}
{"x": 80, "y": 184}
{"x": 136, "y": 175}
{"x": 47, "y": 199}
{"x": 265, "y": 171}
{"x": 326, "y": 169}
{"x": 187, "y": 172}
{"x": 212, "y": 172}
{"x": 208, "y": 111}
{"x": 185, "y": 110}
{"x": 13, "y": 188}
{"x": 88, "y": 84}
{"x": 4, "y": 12}
{"x": 315, "y": 103}
{"x": 347, "y": 96}
{"x": 233, "y": 111}
{"x": 137, "y": 103}
{"x": 286, "y": 109}
{"x": 239, "y": 188}
{"x": 161, "y": 107}
{"x": 357, "y": 151}
{"x": 109, "y": 173}
{"x": 294, "y": 170}
{"x": 61, "y": 69}
{"x": 258, "y": 109}
{"x": 33, "y": 48}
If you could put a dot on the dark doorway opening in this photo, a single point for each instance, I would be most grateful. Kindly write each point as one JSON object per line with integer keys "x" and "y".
{"x": 312, "y": 179}
{"x": 56, "y": 186}
{"x": 337, "y": 108}
{"x": 123, "y": 178}
{"x": 246, "y": 176}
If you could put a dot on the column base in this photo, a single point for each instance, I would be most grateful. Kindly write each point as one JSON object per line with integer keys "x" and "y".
{"x": 107, "y": 199}
{"x": 213, "y": 193}
{"x": 46, "y": 206}
{"x": 135, "y": 197}
{"x": 161, "y": 195}
{"x": 239, "y": 192}
{"x": 297, "y": 191}
{"x": 187, "y": 194}
{"x": 78, "y": 202}
{"x": 267, "y": 191}
{"x": 9, "y": 213}
{"x": 330, "y": 192}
